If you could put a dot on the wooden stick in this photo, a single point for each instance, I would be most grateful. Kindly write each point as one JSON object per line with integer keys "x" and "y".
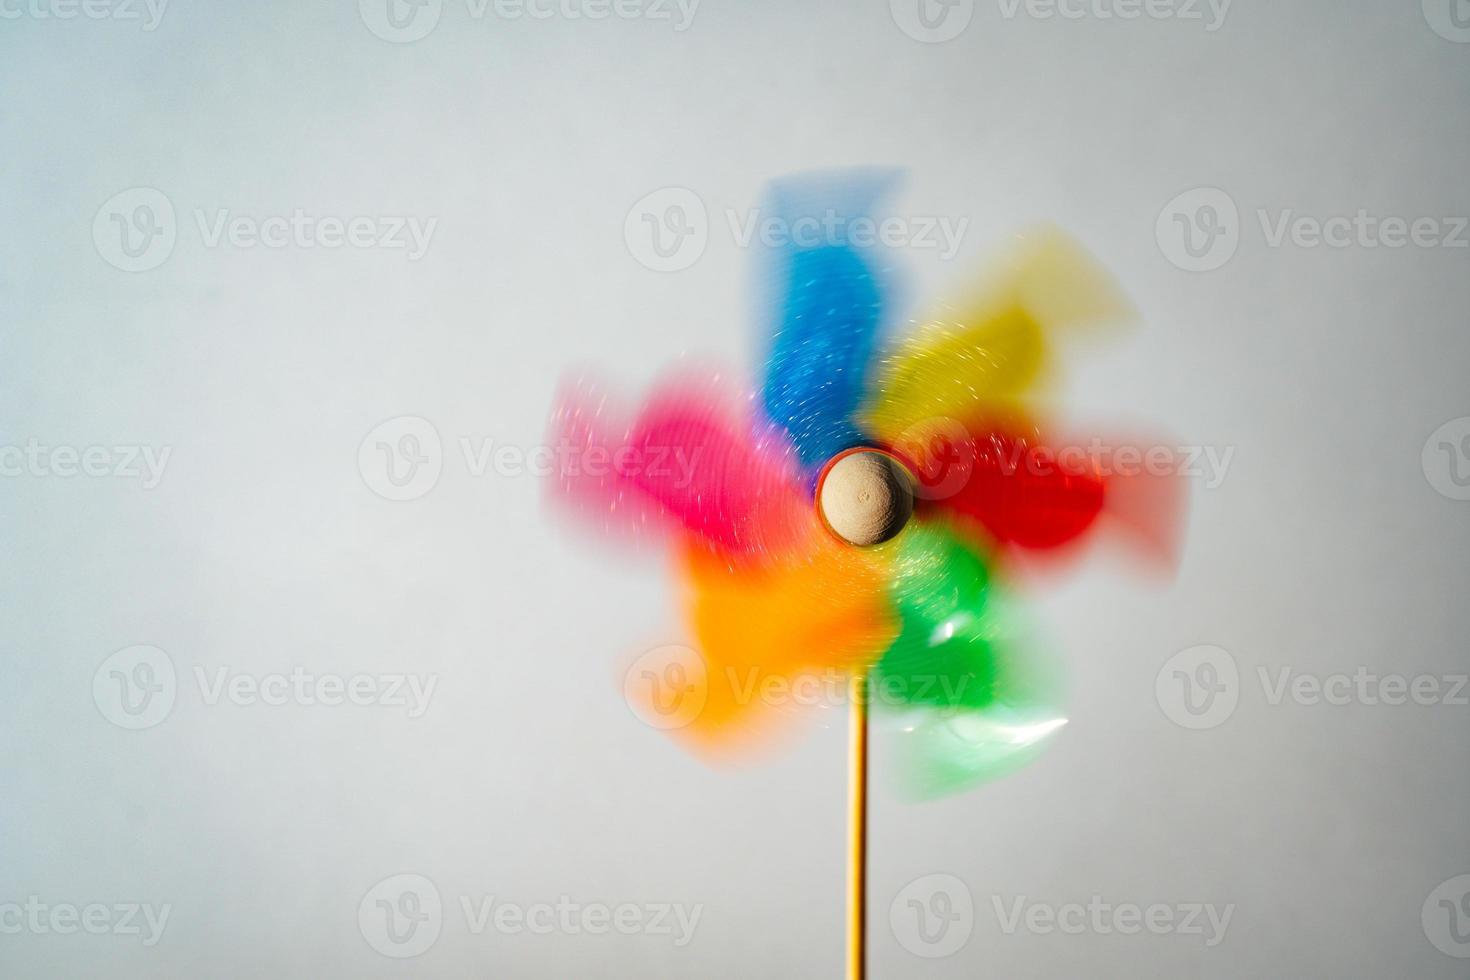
{"x": 857, "y": 829}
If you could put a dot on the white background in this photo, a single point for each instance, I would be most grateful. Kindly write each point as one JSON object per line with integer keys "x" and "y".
{"x": 1327, "y": 547}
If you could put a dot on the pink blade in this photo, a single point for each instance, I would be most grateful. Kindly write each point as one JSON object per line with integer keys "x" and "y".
{"x": 692, "y": 457}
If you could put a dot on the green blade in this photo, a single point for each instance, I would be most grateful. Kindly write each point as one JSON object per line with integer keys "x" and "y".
{"x": 970, "y": 691}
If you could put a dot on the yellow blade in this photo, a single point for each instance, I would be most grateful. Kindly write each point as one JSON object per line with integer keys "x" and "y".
{"x": 995, "y": 349}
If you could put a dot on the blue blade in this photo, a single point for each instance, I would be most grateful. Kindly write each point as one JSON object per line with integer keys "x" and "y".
{"x": 830, "y": 280}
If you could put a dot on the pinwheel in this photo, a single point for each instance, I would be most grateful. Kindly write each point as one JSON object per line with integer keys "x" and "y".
{"x": 871, "y": 512}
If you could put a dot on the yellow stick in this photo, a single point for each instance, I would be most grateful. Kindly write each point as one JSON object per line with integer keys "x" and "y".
{"x": 857, "y": 829}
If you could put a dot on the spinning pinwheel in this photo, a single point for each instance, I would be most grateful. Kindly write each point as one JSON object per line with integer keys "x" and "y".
{"x": 870, "y": 513}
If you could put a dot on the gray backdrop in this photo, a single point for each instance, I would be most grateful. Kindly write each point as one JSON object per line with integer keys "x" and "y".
{"x": 214, "y": 764}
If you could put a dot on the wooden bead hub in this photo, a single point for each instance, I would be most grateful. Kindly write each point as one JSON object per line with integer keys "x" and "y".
{"x": 865, "y": 497}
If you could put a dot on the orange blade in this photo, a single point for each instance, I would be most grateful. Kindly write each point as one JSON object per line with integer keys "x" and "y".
{"x": 779, "y": 643}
